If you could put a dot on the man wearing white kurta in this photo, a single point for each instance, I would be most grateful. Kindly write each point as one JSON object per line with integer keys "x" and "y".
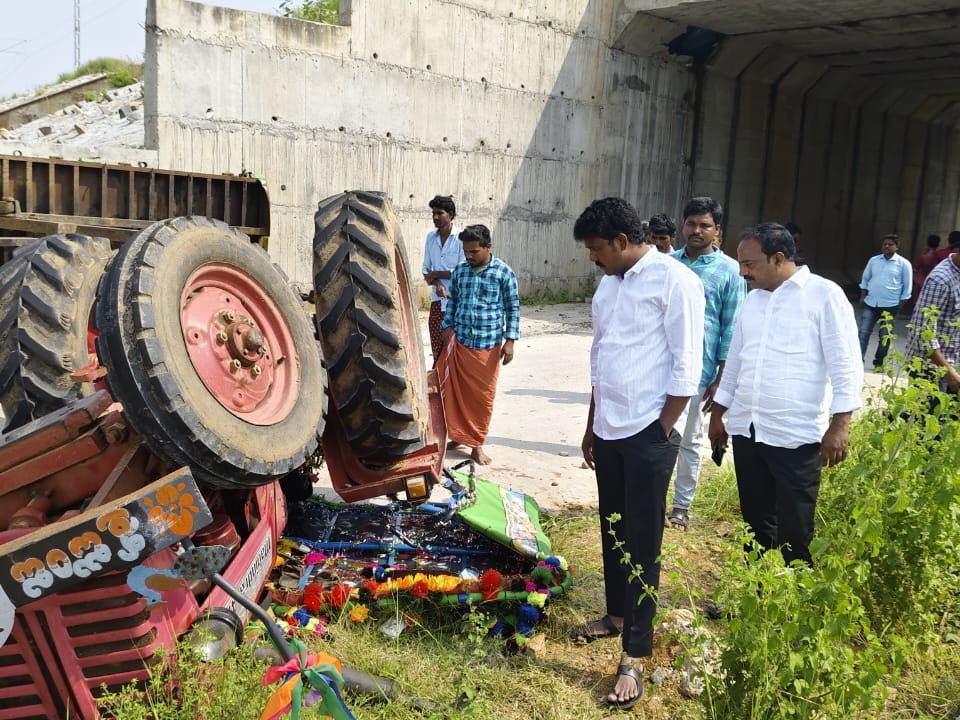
{"x": 792, "y": 381}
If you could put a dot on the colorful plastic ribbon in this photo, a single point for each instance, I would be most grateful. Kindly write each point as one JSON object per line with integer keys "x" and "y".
{"x": 320, "y": 673}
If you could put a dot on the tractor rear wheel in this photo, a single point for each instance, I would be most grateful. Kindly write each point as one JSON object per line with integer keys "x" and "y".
{"x": 47, "y": 291}
{"x": 211, "y": 353}
{"x": 367, "y": 323}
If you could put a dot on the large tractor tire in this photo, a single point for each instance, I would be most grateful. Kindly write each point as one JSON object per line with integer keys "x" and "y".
{"x": 367, "y": 323}
{"x": 211, "y": 353}
{"x": 47, "y": 292}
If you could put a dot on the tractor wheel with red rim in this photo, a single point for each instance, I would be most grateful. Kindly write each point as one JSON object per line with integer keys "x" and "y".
{"x": 47, "y": 292}
{"x": 211, "y": 353}
{"x": 367, "y": 323}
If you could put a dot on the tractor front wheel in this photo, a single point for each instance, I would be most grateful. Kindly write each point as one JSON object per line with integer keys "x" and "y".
{"x": 211, "y": 353}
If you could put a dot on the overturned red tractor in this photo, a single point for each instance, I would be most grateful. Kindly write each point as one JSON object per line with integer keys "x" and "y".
{"x": 160, "y": 399}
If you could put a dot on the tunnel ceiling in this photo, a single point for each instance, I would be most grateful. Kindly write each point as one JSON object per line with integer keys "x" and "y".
{"x": 911, "y": 45}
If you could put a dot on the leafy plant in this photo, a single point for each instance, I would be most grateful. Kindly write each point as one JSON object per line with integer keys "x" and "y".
{"x": 322, "y": 11}
{"x": 826, "y": 641}
{"x": 892, "y": 508}
{"x": 182, "y": 686}
{"x": 799, "y": 642}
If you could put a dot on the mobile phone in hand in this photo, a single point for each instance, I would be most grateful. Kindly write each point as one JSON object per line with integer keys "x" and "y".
{"x": 718, "y": 453}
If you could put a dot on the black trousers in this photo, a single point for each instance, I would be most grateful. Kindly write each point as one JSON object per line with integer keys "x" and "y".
{"x": 778, "y": 493}
{"x": 632, "y": 478}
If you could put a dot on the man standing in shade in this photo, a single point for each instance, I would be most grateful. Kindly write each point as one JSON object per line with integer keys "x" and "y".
{"x": 661, "y": 231}
{"x": 645, "y": 364}
{"x": 442, "y": 253}
{"x": 886, "y": 286}
{"x": 953, "y": 245}
{"x": 724, "y": 291}
{"x": 795, "y": 339}
{"x": 924, "y": 265}
{"x": 479, "y": 329}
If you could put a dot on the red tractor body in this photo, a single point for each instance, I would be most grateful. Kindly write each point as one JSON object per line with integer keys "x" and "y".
{"x": 171, "y": 399}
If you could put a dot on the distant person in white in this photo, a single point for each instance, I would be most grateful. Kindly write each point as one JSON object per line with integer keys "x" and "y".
{"x": 794, "y": 361}
{"x": 645, "y": 364}
{"x": 442, "y": 252}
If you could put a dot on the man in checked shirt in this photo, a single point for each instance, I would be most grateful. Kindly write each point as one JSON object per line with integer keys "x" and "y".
{"x": 479, "y": 329}
{"x": 941, "y": 290}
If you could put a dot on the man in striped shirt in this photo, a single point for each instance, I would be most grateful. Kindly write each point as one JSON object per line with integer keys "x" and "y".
{"x": 479, "y": 328}
{"x": 724, "y": 291}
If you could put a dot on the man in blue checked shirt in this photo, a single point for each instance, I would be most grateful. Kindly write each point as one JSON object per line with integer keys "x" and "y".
{"x": 479, "y": 328}
{"x": 886, "y": 285}
{"x": 724, "y": 291}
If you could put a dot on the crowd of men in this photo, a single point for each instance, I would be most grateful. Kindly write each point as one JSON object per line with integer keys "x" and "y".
{"x": 769, "y": 351}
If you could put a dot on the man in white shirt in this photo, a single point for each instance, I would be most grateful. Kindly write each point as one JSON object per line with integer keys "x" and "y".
{"x": 782, "y": 382}
{"x": 645, "y": 364}
{"x": 442, "y": 253}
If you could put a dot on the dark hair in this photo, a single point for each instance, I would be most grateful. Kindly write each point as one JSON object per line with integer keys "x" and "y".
{"x": 444, "y": 202}
{"x": 476, "y": 233}
{"x": 953, "y": 239}
{"x": 607, "y": 218}
{"x": 894, "y": 237}
{"x": 773, "y": 238}
{"x": 933, "y": 241}
{"x": 793, "y": 229}
{"x": 663, "y": 223}
{"x": 703, "y": 205}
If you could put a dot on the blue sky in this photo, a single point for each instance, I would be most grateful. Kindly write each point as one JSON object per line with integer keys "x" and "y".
{"x": 36, "y": 36}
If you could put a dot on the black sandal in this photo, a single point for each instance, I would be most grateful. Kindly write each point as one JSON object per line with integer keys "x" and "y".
{"x": 631, "y": 672}
{"x": 679, "y": 518}
{"x": 584, "y": 634}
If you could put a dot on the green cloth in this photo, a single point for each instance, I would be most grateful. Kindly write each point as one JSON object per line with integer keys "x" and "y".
{"x": 507, "y": 516}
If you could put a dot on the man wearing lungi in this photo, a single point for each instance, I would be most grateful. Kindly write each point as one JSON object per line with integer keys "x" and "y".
{"x": 441, "y": 254}
{"x": 479, "y": 328}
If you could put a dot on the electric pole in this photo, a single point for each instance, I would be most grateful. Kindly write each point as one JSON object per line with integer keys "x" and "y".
{"x": 76, "y": 34}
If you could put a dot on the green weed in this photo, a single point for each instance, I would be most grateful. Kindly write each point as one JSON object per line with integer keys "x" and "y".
{"x": 322, "y": 11}
{"x": 884, "y": 592}
{"x": 182, "y": 686}
{"x": 119, "y": 72}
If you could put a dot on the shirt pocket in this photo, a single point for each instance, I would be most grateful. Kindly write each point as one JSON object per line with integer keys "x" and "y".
{"x": 793, "y": 336}
{"x": 490, "y": 293}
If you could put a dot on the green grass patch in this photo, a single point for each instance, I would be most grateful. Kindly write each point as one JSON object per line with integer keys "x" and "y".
{"x": 119, "y": 72}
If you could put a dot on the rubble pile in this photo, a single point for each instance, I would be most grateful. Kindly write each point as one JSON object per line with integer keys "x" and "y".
{"x": 115, "y": 118}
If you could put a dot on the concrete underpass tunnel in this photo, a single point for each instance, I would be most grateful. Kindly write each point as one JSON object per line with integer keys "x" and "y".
{"x": 841, "y": 115}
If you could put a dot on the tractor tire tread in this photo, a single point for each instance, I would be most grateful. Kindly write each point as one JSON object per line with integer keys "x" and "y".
{"x": 47, "y": 291}
{"x": 360, "y": 325}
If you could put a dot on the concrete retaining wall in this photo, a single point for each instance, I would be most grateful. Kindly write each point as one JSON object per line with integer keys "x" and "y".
{"x": 521, "y": 110}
